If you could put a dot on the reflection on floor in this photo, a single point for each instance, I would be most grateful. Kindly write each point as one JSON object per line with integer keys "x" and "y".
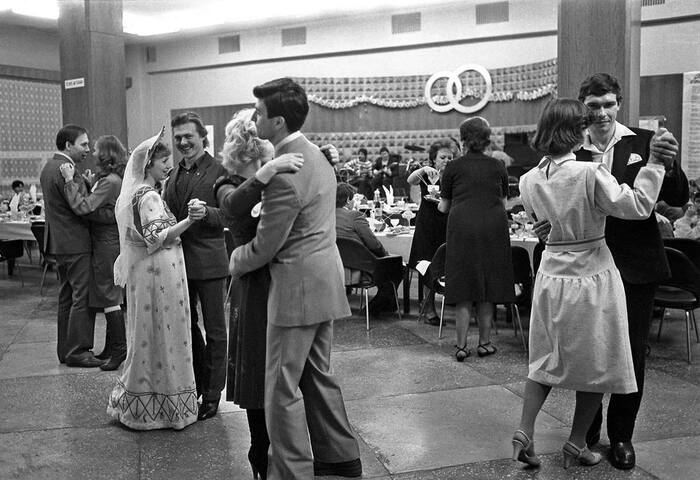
{"x": 417, "y": 412}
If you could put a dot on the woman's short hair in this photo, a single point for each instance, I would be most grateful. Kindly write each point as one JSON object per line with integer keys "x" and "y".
{"x": 475, "y": 133}
{"x": 111, "y": 156}
{"x": 444, "y": 144}
{"x": 191, "y": 117}
{"x": 343, "y": 193}
{"x": 242, "y": 144}
{"x": 17, "y": 183}
{"x": 561, "y": 126}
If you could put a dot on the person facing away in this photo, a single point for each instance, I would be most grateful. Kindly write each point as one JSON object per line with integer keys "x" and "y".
{"x": 104, "y": 294}
{"x": 352, "y": 224}
{"x": 578, "y": 324}
{"x": 67, "y": 237}
{"x": 636, "y": 246}
{"x": 296, "y": 237}
{"x": 189, "y": 190}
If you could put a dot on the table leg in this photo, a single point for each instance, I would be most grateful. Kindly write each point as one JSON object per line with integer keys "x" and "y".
{"x": 406, "y": 291}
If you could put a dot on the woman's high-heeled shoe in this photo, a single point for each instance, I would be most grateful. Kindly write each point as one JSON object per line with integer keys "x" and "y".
{"x": 524, "y": 449}
{"x": 583, "y": 456}
{"x": 461, "y": 353}
{"x": 258, "y": 463}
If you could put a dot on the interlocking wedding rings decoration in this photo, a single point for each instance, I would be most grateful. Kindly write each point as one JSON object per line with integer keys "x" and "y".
{"x": 453, "y": 90}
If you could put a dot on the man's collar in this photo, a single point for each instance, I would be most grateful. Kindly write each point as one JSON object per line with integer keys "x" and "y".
{"x": 289, "y": 138}
{"x": 620, "y": 131}
{"x": 69, "y": 159}
{"x": 195, "y": 164}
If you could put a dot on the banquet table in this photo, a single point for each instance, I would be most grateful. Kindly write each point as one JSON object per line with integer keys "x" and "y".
{"x": 16, "y": 230}
{"x": 401, "y": 245}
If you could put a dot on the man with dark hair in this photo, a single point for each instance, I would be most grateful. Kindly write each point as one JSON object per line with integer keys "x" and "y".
{"x": 296, "y": 237}
{"x": 636, "y": 246}
{"x": 67, "y": 237}
{"x": 191, "y": 187}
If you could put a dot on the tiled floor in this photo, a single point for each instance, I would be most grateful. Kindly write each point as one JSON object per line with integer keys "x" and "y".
{"x": 418, "y": 414}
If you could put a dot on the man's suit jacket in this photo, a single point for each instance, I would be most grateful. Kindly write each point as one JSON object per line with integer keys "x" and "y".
{"x": 353, "y": 224}
{"x": 296, "y": 236}
{"x": 203, "y": 243}
{"x": 66, "y": 233}
{"x": 636, "y": 245}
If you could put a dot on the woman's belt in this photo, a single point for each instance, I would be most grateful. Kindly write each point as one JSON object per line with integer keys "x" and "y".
{"x": 576, "y": 245}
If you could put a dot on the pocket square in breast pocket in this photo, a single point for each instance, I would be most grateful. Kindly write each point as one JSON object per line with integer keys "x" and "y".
{"x": 634, "y": 158}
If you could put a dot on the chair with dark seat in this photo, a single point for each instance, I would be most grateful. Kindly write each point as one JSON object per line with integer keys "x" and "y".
{"x": 38, "y": 231}
{"x": 681, "y": 291}
{"x": 689, "y": 246}
{"x": 375, "y": 270}
{"x": 9, "y": 251}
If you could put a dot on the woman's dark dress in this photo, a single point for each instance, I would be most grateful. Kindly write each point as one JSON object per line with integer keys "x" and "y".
{"x": 478, "y": 265}
{"x": 245, "y": 385}
{"x": 431, "y": 228}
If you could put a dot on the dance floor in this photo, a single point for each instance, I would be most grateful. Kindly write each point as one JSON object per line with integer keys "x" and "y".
{"x": 418, "y": 414}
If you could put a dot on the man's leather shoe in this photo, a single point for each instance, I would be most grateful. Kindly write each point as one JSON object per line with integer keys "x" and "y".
{"x": 622, "y": 455}
{"x": 207, "y": 410}
{"x": 83, "y": 360}
{"x": 351, "y": 468}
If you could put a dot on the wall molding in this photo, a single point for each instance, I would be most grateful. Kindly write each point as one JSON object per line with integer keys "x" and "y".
{"x": 34, "y": 74}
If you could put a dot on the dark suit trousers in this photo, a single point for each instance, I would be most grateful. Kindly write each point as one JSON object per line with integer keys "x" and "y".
{"x": 209, "y": 357}
{"x": 303, "y": 402}
{"x": 75, "y": 329}
{"x": 622, "y": 409}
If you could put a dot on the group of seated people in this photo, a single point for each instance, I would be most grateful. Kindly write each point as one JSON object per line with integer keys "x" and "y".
{"x": 680, "y": 222}
{"x": 367, "y": 176}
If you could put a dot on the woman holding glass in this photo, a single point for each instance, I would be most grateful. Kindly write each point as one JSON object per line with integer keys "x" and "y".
{"x": 478, "y": 264}
{"x": 431, "y": 224}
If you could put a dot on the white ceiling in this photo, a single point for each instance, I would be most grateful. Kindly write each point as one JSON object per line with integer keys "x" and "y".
{"x": 164, "y": 19}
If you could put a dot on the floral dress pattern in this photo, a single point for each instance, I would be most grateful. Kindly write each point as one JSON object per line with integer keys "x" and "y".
{"x": 156, "y": 388}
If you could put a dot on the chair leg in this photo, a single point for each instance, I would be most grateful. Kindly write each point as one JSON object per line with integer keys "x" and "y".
{"x": 396, "y": 298}
{"x": 367, "y": 306}
{"x": 695, "y": 324}
{"x": 43, "y": 277}
{"x": 687, "y": 333}
{"x": 516, "y": 316}
{"x": 661, "y": 323}
{"x": 442, "y": 317}
{"x": 19, "y": 272}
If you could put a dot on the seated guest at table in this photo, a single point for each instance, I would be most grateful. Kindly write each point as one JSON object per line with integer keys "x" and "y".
{"x": 384, "y": 170}
{"x": 18, "y": 189}
{"x": 362, "y": 169}
{"x": 352, "y": 224}
{"x": 578, "y": 326}
{"x": 431, "y": 224}
{"x": 670, "y": 212}
{"x": 478, "y": 263}
{"x": 104, "y": 294}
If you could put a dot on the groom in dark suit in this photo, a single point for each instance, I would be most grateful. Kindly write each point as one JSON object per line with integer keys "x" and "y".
{"x": 636, "y": 245}
{"x": 67, "y": 237}
{"x": 191, "y": 186}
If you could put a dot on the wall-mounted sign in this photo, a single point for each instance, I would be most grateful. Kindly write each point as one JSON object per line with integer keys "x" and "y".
{"x": 453, "y": 94}
{"x": 74, "y": 83}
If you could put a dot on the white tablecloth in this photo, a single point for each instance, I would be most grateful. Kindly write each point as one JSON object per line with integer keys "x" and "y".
{"x": 16, "y": 230}
{"x": 401, "y": 244}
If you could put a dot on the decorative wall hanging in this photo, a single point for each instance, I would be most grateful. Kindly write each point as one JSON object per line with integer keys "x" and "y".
{"x": 518, "y": 83}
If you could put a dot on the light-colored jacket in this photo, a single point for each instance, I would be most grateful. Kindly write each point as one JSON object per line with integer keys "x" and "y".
{"x": 296, "y": 237}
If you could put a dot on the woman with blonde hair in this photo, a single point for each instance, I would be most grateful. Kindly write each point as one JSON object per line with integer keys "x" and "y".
{"x": 248, "y": 159}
